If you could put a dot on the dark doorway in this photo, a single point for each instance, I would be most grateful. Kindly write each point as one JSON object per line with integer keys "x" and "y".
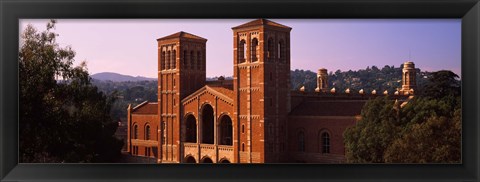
{"x": 207, "y": 124}
{"x": 191, "y": 129}
{"x": 207, "y": 160}
{"x": 190, "y": 159}
{"x": 226, "y": 130}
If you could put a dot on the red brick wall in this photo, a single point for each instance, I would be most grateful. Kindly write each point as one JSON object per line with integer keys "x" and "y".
{"x": 141, "y": 120}
{"x": 312, "y": 127}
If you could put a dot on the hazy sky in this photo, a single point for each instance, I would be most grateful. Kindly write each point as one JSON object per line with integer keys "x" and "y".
{"x": 129, "y": 46}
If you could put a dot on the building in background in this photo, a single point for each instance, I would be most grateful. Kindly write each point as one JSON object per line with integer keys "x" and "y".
{"x": 254, "y": 118}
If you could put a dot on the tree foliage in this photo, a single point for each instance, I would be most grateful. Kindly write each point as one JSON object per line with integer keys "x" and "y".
{"x": 426, "y": 130}
{"x": 63, "y": 118}
{"x": 368, "y": 140}
{"x": 372, "y": 78}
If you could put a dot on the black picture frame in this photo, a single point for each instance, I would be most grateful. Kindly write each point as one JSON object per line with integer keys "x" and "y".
{"x": 12, "y": 11}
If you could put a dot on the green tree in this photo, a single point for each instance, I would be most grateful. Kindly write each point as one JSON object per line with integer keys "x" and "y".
{"x": 367, "y": 141}
{"x": 442, "y": 84}
{"x": 63, "y": 118}
{"x": 438, "y": 139}
{"x": 426, "y": 130}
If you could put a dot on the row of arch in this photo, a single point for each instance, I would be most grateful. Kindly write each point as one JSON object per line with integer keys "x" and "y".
{"x": 146, "y": 136}
{"x": 225, "y": 132}
{"x": 271, "y": 53}
{"x": 190, "y": 59}
{"x": 323, "y": 141}
{"x": 191, "y": 159}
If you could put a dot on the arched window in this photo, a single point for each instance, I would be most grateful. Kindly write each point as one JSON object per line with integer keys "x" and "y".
{"x": 301, "y": 141}
{"x": 241, "y": 51}
{"x": 191, "y": 129}
{"x": 243, "y": 128}
{"x": 135, "y": 132}
{"x": 192, "y": 60}
{"x": 270, "y": 49}
{"x": 199, "y": 60}
{"x": 243, "y": 147}
{"x": 147, "y": 132}
{"x": 162, "y": 60}
{"x": 167, "y": 60}
{"x": 185, "y": 57}
{"x": 207, "y": 124}
{"x": 226, "y": 130}
{"x": 325, "y": 143}
{"x": 253, "y": 50}
{"x": 173, "y": 61}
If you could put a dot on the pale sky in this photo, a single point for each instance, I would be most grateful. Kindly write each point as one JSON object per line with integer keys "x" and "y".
{"x": 129, "y": 46}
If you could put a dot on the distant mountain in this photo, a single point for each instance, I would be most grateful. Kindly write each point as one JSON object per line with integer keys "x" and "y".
{"x": 104, "y": 76}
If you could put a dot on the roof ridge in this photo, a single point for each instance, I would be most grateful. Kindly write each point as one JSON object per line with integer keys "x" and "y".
{"x": 181, "y": 34}
{"x": 140, "y": 105}
{"x": 261, "y": 21}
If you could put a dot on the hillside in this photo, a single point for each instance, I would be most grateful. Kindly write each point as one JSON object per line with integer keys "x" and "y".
{"x": 104, "y": 76}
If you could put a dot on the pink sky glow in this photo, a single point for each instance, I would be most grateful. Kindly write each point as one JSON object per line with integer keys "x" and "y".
{"x": 129, "y": 46}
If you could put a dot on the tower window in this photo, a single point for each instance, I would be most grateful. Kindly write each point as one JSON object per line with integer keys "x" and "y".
{"x": 173, "y": 61}
{"x": 243, "y": 147}
{"x": 253, "y": 50}
{"x": 185, "y": 62}
{"x": 167, "y": 61}
{"x": 192, "y": 60}
{"x": 164, "y": 134}
{"x": 163, "y": 60}
{"x": 241, "y": 51}
{"x": 281, "y": 51}
{"x": 199, "y": 60}
{"x": 243, "y": 128}
{"x": 270, "y": 130}
{"x": 270, "y": 49}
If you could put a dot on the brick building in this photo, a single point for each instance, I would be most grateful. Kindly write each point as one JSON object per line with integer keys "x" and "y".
{"x": 254, "y": 118}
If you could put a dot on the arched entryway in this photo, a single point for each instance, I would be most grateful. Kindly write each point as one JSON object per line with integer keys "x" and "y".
{"x": 207, "y": 160}
{"x": 190, "y": 159}
{"x": 226, "y": 130}
{"x": 207, "y": 124}
{"x": 191, "y": 129}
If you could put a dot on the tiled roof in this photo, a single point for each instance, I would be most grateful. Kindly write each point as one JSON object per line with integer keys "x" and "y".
{"x": 225, "y": 91}
{"x": 146, "y": 108}
{"x": 329, "y": 108}
{"x": 182, "y": 34}
{"x": 261, "y": 21}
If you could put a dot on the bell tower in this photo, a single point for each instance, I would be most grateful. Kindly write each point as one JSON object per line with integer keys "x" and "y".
{"x": 181, "y": 71}
{"x": 262, "y": 89}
